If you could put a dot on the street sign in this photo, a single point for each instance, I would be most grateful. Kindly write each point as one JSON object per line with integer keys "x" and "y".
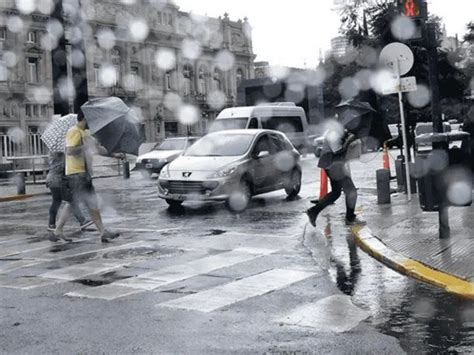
{"x": 406, "y": 85}
{"x": 397, "y": 57}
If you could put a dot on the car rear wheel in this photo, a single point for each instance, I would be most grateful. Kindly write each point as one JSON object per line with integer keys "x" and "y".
{"x": 173, "y": 203}
{"x": 240, "y": 199}
{"x": 293, "y": 185}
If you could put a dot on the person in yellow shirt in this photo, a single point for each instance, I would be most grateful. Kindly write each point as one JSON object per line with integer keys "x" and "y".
{"x": 78, "y": 164}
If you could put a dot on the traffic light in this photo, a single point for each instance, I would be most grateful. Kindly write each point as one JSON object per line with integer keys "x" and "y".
{"x": 416, "y": 11}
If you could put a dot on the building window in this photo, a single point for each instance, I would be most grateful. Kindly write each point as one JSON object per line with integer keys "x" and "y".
{"x": 5, "y": 111}
{"x": 188, "y": 83}
{"x": 239, "y": 76}
{"x": 171, "y": 129}
{"x": 134, "y": 77}
{"x": 31, "y": 37}
{"x": 3, "y": 33}
{"x": 3, "y": 71}
{"x": 217, "y": 79}
{"x": 28, "y": 110}
{"x": 170, "y": 20}
{"x": 160, "y": 21}
{"x": 44, "y": 110}
{"x": 202, "y": 81}
{"x": 97, "y": 76}
{"x": 168, "y": 80}
{"x": 32, "y": 71}
{"x": 35, "y": 111}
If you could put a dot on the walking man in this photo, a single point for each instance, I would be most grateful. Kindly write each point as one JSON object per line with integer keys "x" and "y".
{"x": 78, "y": 163}
{"x": 333, "y": 160}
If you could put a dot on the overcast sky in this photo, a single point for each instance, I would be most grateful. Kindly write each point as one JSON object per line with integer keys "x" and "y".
{"x": 291, "y": 32}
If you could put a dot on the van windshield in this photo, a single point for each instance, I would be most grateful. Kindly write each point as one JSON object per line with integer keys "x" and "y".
{"x": 289, "y": 124}
{"x": 228, "y": 123}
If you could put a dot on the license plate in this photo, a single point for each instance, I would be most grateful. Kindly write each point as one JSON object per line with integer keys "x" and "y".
{"x": 149, "y": 166}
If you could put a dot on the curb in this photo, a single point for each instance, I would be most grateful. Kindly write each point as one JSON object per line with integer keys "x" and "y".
{"x": 22, "y": 197}
{"x": 410, "y": 267}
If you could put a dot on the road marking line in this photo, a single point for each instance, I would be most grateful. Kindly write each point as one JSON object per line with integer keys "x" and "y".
{"x": 237, "y": 291}
{"x": 26, "y": 283}
{"x": 107, "y": 292}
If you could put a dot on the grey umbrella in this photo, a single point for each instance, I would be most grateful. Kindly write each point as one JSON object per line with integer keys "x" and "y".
{"x": 356, "y": 116}
{"x": 114, "y": 124}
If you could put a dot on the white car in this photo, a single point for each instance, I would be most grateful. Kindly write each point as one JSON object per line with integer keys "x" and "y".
{"x": 232, "y": 166}
{"x": 163, "y": 153}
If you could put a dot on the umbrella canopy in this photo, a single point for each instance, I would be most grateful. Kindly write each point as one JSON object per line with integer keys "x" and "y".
{"x": 114, "y": 124}
{"x": 356, "y": 116}
{"x": 54, "y": 135}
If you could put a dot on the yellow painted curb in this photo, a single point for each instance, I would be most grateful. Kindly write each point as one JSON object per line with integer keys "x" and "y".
{"x": 453, "y": 284}
{"x": 21, "y": 197}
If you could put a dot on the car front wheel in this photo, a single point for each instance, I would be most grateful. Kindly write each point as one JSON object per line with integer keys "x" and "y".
{"x": 293, "y": 185}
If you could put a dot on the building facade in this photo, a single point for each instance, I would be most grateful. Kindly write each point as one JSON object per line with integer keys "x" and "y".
{"x": 149, "y": 54}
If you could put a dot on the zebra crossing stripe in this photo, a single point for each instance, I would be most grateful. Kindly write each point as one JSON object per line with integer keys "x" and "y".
{"x": 152, "y": 280}
{"x": 237, "y": 291}
{"x": 25, "y": 283}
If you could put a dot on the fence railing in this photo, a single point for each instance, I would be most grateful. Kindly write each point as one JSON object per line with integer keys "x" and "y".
{"x": 32, "y": 145}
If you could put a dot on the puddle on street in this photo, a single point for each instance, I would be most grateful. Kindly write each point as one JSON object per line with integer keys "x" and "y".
{"x": 424, "y": 319}
{"x": 140, "y": 253}
{"x": 103, "y": 279}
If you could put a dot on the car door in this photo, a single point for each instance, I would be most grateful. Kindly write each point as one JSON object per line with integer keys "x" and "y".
{"x": 263, "y": 155}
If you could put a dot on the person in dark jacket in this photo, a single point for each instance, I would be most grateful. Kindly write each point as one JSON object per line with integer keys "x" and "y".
{"x": 333, "y": 160}
{"x": 55, "y": 181}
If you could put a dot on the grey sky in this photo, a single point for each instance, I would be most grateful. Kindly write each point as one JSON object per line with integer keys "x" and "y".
{"x": 292, "y": 32}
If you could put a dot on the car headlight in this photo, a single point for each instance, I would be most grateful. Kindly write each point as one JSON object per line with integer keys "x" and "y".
{"x": 224, "y": 172}
{"x": 165, "y": 173}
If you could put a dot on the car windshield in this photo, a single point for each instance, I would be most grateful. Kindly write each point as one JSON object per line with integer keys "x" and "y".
{"x": 228, "y": 123}
{"x": 220, "y": 145}
{"x": 172, "y": 144}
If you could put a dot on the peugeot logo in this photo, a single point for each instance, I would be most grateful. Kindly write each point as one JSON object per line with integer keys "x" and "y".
{"x": 187, "y": 174}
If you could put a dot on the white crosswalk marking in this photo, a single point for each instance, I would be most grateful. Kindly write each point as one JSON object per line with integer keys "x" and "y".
{"x": 79, "y": 271}
{"x": 152, "y": 280}
{"x": 221, "y": 296}
{"x": 26, "y": 283}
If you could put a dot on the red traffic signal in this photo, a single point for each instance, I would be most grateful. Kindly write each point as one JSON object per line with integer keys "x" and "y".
{"x": 411, "y": 8}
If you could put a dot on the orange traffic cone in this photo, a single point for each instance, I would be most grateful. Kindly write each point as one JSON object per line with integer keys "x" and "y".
{"x": 323, "y": 187}
{"x": 386, "y": 159}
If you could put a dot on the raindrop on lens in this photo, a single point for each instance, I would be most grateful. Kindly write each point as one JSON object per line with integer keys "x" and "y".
{"x": 165, "y": 59}
{"x": 403, "y": 28}
{"x": 284, "y": 161}
{"x": 48, "y": 42}
{"x": 225, "y": 60}
{"x": 42, "y": 95}
{"x": 108, "y": 75}
{"x": 106, "y": 38}
{"x": 139, "y": 29}
{"x": 348, "y": 88}
{"x": 78, "y": 59}
{"x": 15, "y": 24}
{"x": 419, "y": 98}
{"x": 10, "y": 59}
{"x": 459, "y": 193}
{"x": 25, "y": 6}
{"x": 188, "y": 115}
{"x": 172, "y": 101}
{"x": 46, "y": 7}
{"x": 17, "y": 135}
{"x": 55, "y": 28}
{"x": 216, "y": 100}
{"x": 66, "y": 89}
{"x": 191, "y": 49}
{"x": 279, "y": 72}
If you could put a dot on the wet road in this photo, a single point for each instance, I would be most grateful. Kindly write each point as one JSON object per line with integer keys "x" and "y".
{"x": 423, "y": 319}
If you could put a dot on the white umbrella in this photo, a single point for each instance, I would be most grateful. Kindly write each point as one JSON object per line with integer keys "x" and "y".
{"x": 54, "y": 135}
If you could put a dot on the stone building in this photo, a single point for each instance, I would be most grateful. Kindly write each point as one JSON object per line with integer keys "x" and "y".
{"x": 149, "y": 53}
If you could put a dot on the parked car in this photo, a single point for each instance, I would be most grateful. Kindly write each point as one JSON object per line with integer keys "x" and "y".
{"x": 163, "y": 153}
{"x": 232, "y": 166}
{"x": 285, "y": 117}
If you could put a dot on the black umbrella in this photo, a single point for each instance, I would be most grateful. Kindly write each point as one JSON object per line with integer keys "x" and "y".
{"x": 114, "y": 124}
{"x": 356, "y": 116}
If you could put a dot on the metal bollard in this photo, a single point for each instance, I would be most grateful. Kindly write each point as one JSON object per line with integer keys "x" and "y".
{"x": 126, "y": 169}
{"x": 20, "y": 184}
{"x": 383, "y": 186}
{"x": 443, "y": 218}
{"x": 400, "y": 176}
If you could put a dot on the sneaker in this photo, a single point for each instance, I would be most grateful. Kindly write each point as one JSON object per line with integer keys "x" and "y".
{"x": 86, "y": 224}
{"x": 53, "y": 237}
{"x": 51, "y": 228}
{"x": 312, "y": 217}
{"x": 107, "y": 236}
{"x": 355, "y": 222}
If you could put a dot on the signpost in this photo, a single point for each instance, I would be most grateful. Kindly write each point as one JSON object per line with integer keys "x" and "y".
{"x": 398, "y": 58}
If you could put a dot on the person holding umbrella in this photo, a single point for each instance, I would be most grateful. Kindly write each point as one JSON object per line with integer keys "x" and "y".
{"x": 78, "y": 177}
{"x": 333, "y": 160}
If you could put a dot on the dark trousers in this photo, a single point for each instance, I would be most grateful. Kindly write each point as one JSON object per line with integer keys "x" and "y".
{"x": 56, "y": 203}
{"x": 340, "y": 180}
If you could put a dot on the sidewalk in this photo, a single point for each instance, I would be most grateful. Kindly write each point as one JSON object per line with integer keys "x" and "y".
{"x": 405, "y": 238}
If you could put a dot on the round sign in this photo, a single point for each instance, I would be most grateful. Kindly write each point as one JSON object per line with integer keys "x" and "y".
{"x": 398, "y": 57}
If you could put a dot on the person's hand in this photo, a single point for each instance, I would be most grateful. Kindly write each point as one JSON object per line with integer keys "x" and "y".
{"x": 118, "y": 155}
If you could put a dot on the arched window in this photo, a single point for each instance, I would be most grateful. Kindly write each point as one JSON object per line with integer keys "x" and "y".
{"x": 188, "y": 81}
{"x": 202, "y": 80}
{"x": 217, "y": 79}
{"x": 239, "y": 76}
{"x": 116, "y": 62}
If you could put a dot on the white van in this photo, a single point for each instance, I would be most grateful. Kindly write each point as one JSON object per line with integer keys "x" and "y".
{"x": 285, "y": 117}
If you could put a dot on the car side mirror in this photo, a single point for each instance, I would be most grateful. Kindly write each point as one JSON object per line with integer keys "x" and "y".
{"x": 263, "y": 154}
